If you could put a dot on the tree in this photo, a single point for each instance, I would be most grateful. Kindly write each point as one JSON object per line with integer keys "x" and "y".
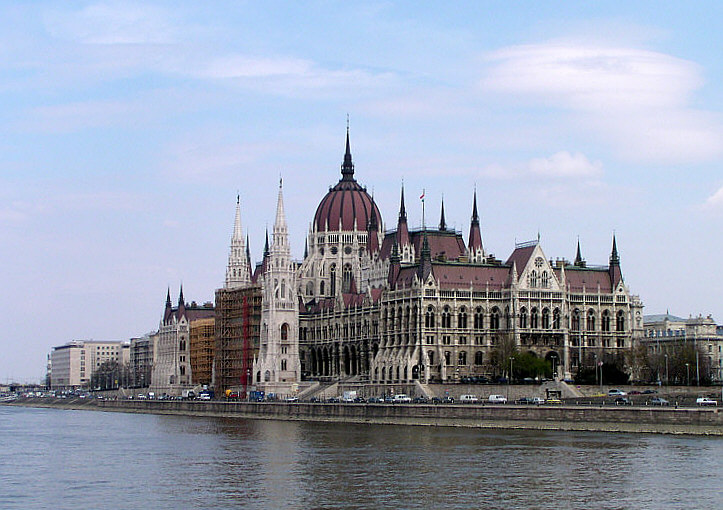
{"x": 505, "y": 348}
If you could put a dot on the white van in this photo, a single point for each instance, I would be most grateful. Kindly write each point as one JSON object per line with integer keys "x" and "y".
{"x": 468, "y": 399}
{"x": 497, "y": 399}
{"x": 402, "y": 398}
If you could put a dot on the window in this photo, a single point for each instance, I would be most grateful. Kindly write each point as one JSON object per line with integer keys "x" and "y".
{"x": 447, "y": 358}
{"x": 606, "y": 321}
{"x": 620, "y": 321}
{"x": 556, "y": 319}
{"x": 523, "y": 317}
{"x": 446, "y": 318}
{"x": 430, "y": 340}
{"x": 284, "y": 331}
{"x": 462, "y": 318}
{"x": 545, "y": 318}
{"x": 283, "y": 364}
{"x": 495, "y": 318}
{"x": 462, "y": 358}
{"x": 430, "y": 355}
{"x": 545, "y": 280}
{"x": 478, "y": 358}
{"x": 429, "y": 318}
{"x": 534, "y": 322}
{"x": 332, "y": 275}
{"x": 533, "y": 279}
{"x": 591, "y": 320}
{"x": 446, "y": 340}
{"x": 346, "y": 278}
{"x": 576, "y": 320}
{"x": 463, "y": 340}
{"x": 478, "y": 318}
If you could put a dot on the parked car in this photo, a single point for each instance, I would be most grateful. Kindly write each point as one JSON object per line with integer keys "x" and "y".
{"x": 705, "y": 401}
{"x": 333, "y": 400}
{"x": 649, "y": 392}
{"x": 537, "y": 400}
{"x": 402, "y": 398}
{"x": 623, "y": 401}
{"x": 554, "y": 401}
{"x": 468, "y": 399}
{"x": 291, "y": 399}
{"x": 616, "y": 393}
{"x": 658, "y": 401}
{"x": 376, "y": 400}
{"x": 523, "y": 400}
{"x": 497, "y": 399}
{"x": 448, "y": 400}
{"x": 420, "y": 400}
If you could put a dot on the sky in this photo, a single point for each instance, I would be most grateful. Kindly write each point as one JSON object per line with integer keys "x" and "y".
{"x": 128, "y": 128}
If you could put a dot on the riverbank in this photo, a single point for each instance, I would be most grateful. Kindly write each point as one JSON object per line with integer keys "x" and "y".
{"x": 656, "y": 420}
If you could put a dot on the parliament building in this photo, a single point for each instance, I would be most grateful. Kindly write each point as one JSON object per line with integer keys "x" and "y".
{"x": 395, "y": 306}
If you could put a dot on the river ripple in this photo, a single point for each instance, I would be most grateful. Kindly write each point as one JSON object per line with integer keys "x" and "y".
{"x": 81, "y": 459}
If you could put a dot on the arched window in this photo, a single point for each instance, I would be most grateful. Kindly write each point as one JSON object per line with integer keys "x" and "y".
{"x": 620, "y": 321}
{"x": 429, "y": 317}
{"x": 534, "y": 321}
{"x": 508, "y": 318}
{"x": 495, "y": 318}
{"x": 346, "y": 278}
{"x": 462, "y": 318}
{"x": 533, "y": 279}
{"x": 267, "y": 376}
{"x": 283, "y": 289}
{"x": 276, "y": 288}
{"x": 446, "y": 318}
{"x": 545, "y": 318}
{"x": 284, "y": 331}
{"x": 462, "y": 358}
{"x": 556, "y": 319}
{"x": 283, "y": 364}
{"x": 590, "y": 320}
{"x": 310, "y": 289}
{"x": 478, "y": 318}
{"x": 182, "y": 369}
{"x": 576, "y": 320}
{"x": 321, "y": 288}
{"x": 523, "y": 317}
{"x": 545, "y": 280}
{"x": 606, "y": 321}
{"x": 182, "y": 345}
{"x": 332, "y": 276}
{"x": 447, "y": 358}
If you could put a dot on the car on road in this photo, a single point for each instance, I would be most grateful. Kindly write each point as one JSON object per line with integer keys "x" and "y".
{"x": 376, "y": 400}
{"x": 524, "y": 400}
{"x": 705, "y": 401}
{"x": 616, "y": 393}
{"x": 420, "y": 400}
{"x": 468, "y": 399}
{"x": 553, "y": 401}
{"x": 497, "y": 399}
{"x": 623, "y": 401}
{"x": 402, "y": 398}
{"x": 537, "y": 400}
{"x": 291, "y": 399}
{"x": 659, "y": 401}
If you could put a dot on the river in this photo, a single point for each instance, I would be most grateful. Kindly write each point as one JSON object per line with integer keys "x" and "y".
{"x": 63, "y": 459}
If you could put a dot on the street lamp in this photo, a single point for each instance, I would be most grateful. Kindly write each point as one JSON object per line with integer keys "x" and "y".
{"x": 667, "y": 381}
{"x": 687, "y": 374}
{"x": 509, "y": 380}
{"x": 554, "y": 366}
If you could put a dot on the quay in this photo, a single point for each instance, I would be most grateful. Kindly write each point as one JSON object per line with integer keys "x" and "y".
{"x": 566, "y": 417}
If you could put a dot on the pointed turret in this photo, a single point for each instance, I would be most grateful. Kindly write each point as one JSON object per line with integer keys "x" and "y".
{"x": 373, "y": 233}
{"x": 403, "y": 233}
{"x": 579, "y": 261}
{"x": 306, "y": 249}
{"x": 181, "y": 305}
{"x": 266, "y": 245}
{"x": 169, "y": 307}
{"x": 347, "y": 167}
{"x": 616, "y": 274}
{"x": 425, "y": 260}
{"x": 238, "y": 269}
{"x": 442, "y": 222}
{"x": 394, "y": 265}
{"x": 476, "y": 251}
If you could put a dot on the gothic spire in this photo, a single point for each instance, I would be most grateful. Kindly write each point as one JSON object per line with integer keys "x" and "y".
{"x": 180, "y": 297}
{"x": 168, "y": 298}
{"x": 616, "y": 275}
{"x": 475, "y": 216}
{"x": 578, "y": 257}
{"x": 614, "y": 259}
{"x": 402, "y": 209}
{"x": 347, "y": 168}
{"x": 266, "y": 246}
{"x": 238, "y": 269}
{"x": 425, "y": 261}
{"x": 442, "y": 223}
{"x": 476, "y": 251}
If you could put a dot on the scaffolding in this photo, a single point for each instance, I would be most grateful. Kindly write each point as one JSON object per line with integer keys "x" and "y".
{"x": 238, "y": 319}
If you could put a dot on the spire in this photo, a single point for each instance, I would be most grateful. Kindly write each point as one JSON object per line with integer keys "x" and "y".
{"x": 579, "y": 261}
{"x": 425, "y": 261}
{"x": 373, "y": 232}
{"x": 168, "y": 311}
{"x": 614, "y": 259}
{"x": 181, "y": 305}
{"x": 280, "y": 222}
{"x": 238, "y": 269}
{"x": 248, "y": 253}
{"x": 476, "y": 251}
{"x": 266, "y": 246}
{"x": 402, "y": 209}
{"x": 306, "y": 248}
{"x": 394, "y": 265}
{"x": 168, "y": 298}
{"x": 180, "y": 298}
{"x": 347, "y": 168}
{"x": 442, "y": 223}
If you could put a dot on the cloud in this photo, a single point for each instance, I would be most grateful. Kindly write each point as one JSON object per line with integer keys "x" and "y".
{"x": 564, "y": 164}
{"x": 715, "y": 201}
{"x": 637, "y": 100}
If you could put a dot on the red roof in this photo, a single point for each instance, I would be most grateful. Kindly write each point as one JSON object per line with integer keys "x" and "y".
{"x": 347, "y": 201}
{"x": 521, "y": 256}
{"x": 447, "y": 243}
{"x": 578, "y": 278}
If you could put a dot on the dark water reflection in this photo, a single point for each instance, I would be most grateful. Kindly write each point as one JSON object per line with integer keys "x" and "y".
{"x": 76, "y": 459}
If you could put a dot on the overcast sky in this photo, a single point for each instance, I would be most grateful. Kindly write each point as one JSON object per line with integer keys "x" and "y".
{"x": 126, "y": 130}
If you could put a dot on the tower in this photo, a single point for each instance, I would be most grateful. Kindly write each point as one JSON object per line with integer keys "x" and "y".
{"x": 278, "y": 363}
{"x": 238, "y": 270}
{"x": 476, "y": 251}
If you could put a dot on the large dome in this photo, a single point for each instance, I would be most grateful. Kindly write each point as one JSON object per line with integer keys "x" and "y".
{"x": 347, "y": 203}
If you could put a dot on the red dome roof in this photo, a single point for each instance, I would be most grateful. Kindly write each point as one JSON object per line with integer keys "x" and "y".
{"x": 347, "y": 202}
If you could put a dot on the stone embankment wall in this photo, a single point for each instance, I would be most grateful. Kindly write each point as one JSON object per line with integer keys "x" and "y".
{"x": 699, "y": 421}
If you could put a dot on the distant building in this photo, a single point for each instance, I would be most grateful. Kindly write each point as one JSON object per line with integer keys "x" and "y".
{"x": 664, "y": 331}
{"x": 142, "y": 352}
{"x": 73, "y": 364}
{"x": 171, "y": 372}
